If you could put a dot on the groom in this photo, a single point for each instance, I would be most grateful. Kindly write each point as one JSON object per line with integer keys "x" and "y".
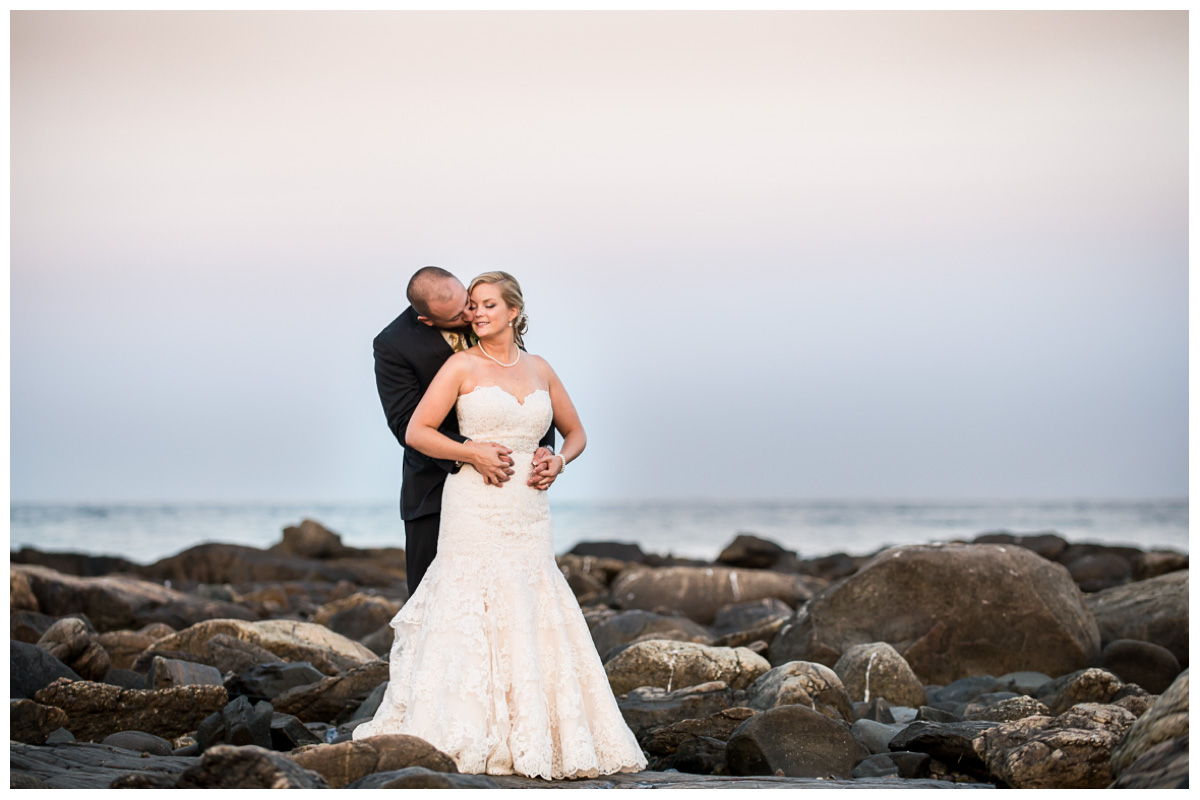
{"x": 408, "y": 353}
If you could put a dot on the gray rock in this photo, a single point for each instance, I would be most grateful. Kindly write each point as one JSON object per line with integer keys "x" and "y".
{"x": 60, "y": 735}
{"x": 933, "y": 714}
{"x": 621, "y": 551}
{"x": 226, "y": 767}
{"x": 901, "y": 765}
{"x": 877, "y": 670}
{"x": 1167, "y": 719}
{"x": 31, "y": 722}
{"x": 675, "y": 665}
{"x": 247, "y": 724}
{"x": 648, "y": 708}
{"x": 633, "y": 626}
{"x": 87, "y": 765}
{"x": 230, "y": 654}
{"x": 368, "y": 707}
{"x": 1017, "y": 611}
{"x": 335, "y": 698}
{"x": 950, "y": 743}
{"x": 1148, "y": 665}
{"x": 874, "y": 736}
{"x": 1094, "y": 572}
{"x": 964, "y": 690}
{"x": 288, "y": 733}
{"x": 125, "y": 678}
{"x": 1157, "y": 562}
{"x": 663, "y": 745}
{"x": 31, "y": 669}
{"x": 699, "y": 592}
{"x": 1153, "y": 610}
{"x": 793, "y": 739}
{"x": 345, "y": 763}
{"x": 752, "y": 552}
{"x": 380, "y": 640}
{"x": 1006, "y": 709}
{"x": 1023, "y": 682}
{"x": 803, "y": 683}
{"x": 1163, "y": 766}
{"x": 168, "y": 672}
{"x": 1081, "y": 739}
{"x": 139, "y": 742}
{"x": 422, "y": 778}
{"x": 268, "y": 681}
{"x": 357, "y": 616}
{"x": 878, "y": 710}
{"x": 744, "y": 616}
{"x": 1085, "y": 686}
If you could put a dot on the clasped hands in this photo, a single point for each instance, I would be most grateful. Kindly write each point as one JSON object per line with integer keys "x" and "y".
{"x": 494, "y": 462}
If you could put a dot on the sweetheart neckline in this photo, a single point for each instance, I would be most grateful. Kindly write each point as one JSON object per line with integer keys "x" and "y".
{"x": 520, "y": 402}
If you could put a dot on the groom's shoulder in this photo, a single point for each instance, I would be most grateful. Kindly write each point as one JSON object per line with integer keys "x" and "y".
{"x": 397, "y": 329}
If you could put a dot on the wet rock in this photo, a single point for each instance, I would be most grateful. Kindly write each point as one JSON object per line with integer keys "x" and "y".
{"x": 951, "y": 611}
{"x": 744, "y": 616}
{"x": 356, "y": 616}
{"x": 1006, "y": 709}
{"x": 950, "y": 743}
{"x": 1148, "y": 665}
{"x": 228, "y": 767}
{"x": 228, "y": 653}
{"x": 95, "y": 710}
{"x": 167, "y": 672}
{"x": 1163, "y": 766}
{"x": 663, "y": 744}
{"x": 804, "y": 683}
{"x": 877, "y": 670}
{"x": 1157, "y": 562}
{"x": 345, "y": 763}
{"x": 750, "y": 552}
{"x": 632, "y": 626}
{"x": 793, "y": 739}
{"x": 648, "y": 708}
{"x": 1085, "y": 686}
{"x": 423, "y": 778}
{"x": 31, "y": 722}
{"x": 31, "y": 668}
{"x": 289, "y": 640}
{"x": 699, "y": 592}
{"x": 1070, "y": 751}
{"x": 1167, "y": 719}
{"x": 900, "y": 765}
{"x": 139, "y": 742}
{"x": 85, "y": 765}
{"x": 674, "y": 665}
{"x": 620, "y": 551}
{"x": 1094, "y": 572}
{"x": 1153, "y": 610}
{"x": 310, "y": 539}
{"x": 873, "y": 736}
{"x": 268, "y": 681}
{"x": 334, "y": 698}
{"x": 288, "y": 733}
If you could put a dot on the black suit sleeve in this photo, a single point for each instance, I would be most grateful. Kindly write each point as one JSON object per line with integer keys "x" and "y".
{"x": 400, "y": 391}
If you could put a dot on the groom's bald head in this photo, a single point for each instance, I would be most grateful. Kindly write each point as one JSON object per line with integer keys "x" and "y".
{"x": 439, "y": 298}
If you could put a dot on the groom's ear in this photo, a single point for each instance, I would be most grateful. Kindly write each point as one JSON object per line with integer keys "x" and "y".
{"x": 425, "y": 320}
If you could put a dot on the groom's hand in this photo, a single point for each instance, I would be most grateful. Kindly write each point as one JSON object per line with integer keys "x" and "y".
{"x": 495, "y": 463}
{"x": 545, "y": 468}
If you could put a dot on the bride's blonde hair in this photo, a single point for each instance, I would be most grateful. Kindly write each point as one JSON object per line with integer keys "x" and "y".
{"x": 510, "y": 292}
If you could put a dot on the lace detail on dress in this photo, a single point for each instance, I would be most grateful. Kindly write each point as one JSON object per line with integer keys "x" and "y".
{"x": 492, "y": 661}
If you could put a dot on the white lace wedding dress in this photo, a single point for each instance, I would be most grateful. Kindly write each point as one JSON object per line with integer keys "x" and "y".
{"x": 492, "y": 662}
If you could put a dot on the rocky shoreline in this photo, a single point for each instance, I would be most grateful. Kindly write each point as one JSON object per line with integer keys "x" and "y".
{"x": 1010, "y": 661}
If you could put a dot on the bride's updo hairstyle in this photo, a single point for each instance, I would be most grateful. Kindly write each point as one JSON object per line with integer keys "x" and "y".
{"x": 510, "y": 292}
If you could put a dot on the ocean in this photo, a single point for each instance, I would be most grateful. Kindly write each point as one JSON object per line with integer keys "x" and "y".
{"x": 146, "y": 532}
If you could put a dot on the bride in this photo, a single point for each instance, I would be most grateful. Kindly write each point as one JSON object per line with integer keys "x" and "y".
{"x": 492, "y": 661}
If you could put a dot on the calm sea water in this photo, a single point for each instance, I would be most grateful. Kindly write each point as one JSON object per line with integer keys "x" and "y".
{"x": 146, "y": 532}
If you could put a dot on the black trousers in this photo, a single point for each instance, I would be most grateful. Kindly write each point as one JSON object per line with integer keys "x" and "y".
{"x": 420, "y": 546}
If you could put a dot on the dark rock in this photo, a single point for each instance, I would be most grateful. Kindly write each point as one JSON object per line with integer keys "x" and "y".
{"x": 268, "y": 681}
{"x": 996, "y": 708}
{"x": 167, "y": 672}
{"x": 31, "y": 722}
{"x": 60, "y": 735}
{"x": 832, "y": 567}
{"x": 144, "y": 780}
{"x": 1048, "y": 545}
{"x": 674, "y": 665}
{"x": 250, "y": 767}
{"x": 702, "y": 755}
{"x": 31, "y": 669}
{"x": 744, "y": 616}
{"x": 310, "y": 539}
{"x": 765, "y": 632}
{"x": 236, "y": 564}
{"x": 68, "y": 641}
{"x": 345, "y": 763}
{"x": 877, "y": 670}
{"x": 1081, "y": 739}
{"x": 230, "y": 654}
{"x": 124, "y": 647}
{"x": 1167, "y": 719}
{"x": 125, "y": 678}
{"x": 1157, "y": 562}
{"x": 1153, "y": 610}
{"x": 1016, "y": 611}
{"x": 900, "y": 765}
{"x": 1148, "y": 665}
{"x": 795, "y": 739}
{"x": 933, "y": 714}
{"x": 1098, "y": 571}
{"x": 699, "y": 592}
{"x": 31, "y": 626}
{"x": 1084, "y": 686}
{"x": 632, "y": 626}
{"x": 248, "y": 724}
{"x": 964, "y": 690}
{"x": 368, "y": 707}
{"x": 143, "y": 661}
{"x": 95, "y": 710}
{"x": 804, "y": 683}
{"x": 951, "y": 743}
{"x": 648, "y": 708}
{"x": 288, "y": 733}
{"x": 873, "y": 736}
{"x": 358, "y": 615}
{"x": 81, "y": 564}
{"x": 621, "y": 551}
{"x": 1163, "y": 766}
{"x": 19, "y": 780}
{"x": 1023, "y": 682}
{"x": 334, "y": 698}
{"x": 422, "y": 778}
{"x": 878, "y": 710}
{"x": 86, "y": 765}
{"x": 139, "y": 742}
{"x": 1134, "y": 699}
{"x": 210, "y": 731}
{"x": 750, "y": 552}
{"x": 601, "y": 570}
{"x": 380, "y": 641}
{"x": 664, "y": 743}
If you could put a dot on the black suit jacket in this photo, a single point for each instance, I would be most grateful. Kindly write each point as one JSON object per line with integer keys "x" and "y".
{"x": 408, "y": 353}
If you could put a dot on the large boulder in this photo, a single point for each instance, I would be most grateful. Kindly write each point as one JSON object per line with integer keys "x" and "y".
{"x": 31, "y": 668}
{"x": 1148, "y": 665}
{"x": 69, "y": 642}
{"x": 346, "y": 762}
{"x": 289, "y": 640}
{"x": 950, "y": 610}
{"x": 248, "y": 767}
{"x": 236, "y": 564}
{"x": 124, "y": 647}
{"x": 1070, "y": 751}
{"x": 117, "y": 602}
{"x": 648, "y": 708}
{"x": 632, "y": 626}
{"x": 356, "y": 616}
{"x": 95, "y": 710}
{"x": 1090, "y": 685}
{"x": 699, "y": 592}
{"x": 877, "y": 670}
{"x": 675, "y": 665}
{"x": 801, "y": 683}
{"x": 1153, "y": 610}
{"x": 751, "y": 552}
{"x": 31, "y": 722}
{"x": 793, "y": 740}
{"x": 663, "y": 744}
{"x": 311, "y": 539}
{"x": 1166, "y": 720}
{"x": 333, "y": 699}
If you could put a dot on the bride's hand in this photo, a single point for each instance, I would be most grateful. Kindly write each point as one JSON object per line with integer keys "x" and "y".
{"x": 492, "y": 461}
{"x": 546, "y": 467}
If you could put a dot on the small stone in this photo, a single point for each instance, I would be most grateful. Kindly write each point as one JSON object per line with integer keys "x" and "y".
{"x": 422, "y": 778}
{"x": 877, "y": 670}
{"x": 140, "y": 742}
{"x": 873, "y": 736}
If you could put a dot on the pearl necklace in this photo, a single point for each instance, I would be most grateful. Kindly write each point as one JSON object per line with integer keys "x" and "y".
{"x": 498, "y": 361}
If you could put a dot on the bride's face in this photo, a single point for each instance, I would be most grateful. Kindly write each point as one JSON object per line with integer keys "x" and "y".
{"x": 492, "y": 314}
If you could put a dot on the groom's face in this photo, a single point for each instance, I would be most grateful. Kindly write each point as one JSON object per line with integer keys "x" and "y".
{"x": 452, "y": 311}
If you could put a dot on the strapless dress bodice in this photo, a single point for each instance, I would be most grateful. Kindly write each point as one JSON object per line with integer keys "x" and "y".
{"x": 490, "y": 414}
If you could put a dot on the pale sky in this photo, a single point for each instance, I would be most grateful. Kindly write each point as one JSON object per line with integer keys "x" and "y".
{"x": 779, "y": 255}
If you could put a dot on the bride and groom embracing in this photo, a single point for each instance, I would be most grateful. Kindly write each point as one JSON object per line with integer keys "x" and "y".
{"x": 492, "y": 661}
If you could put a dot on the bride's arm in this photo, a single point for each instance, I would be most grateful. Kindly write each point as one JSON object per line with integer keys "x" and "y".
{"x": 490, "y": 460}
{"x": 566, "y": 420}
